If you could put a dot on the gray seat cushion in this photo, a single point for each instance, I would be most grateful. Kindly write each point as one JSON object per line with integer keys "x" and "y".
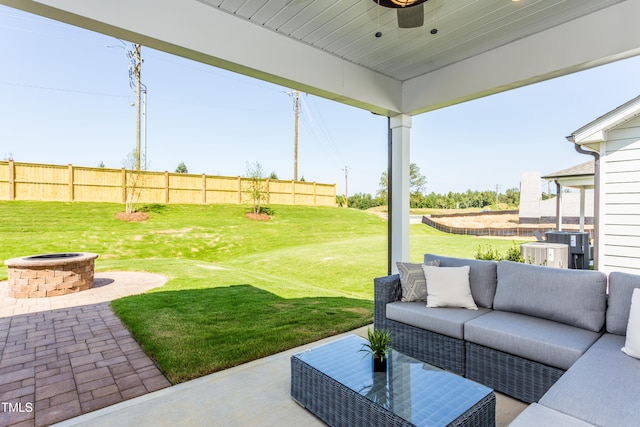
{"x": 601, "y": 388}
{"x": 536, "y": 415}
{"x": 621, "y": 286}
{"x": 574, "y": 297}
{"x": 445, "y": 321}
{"x": 545, "y": 341}
{"x": 482, "y": 276}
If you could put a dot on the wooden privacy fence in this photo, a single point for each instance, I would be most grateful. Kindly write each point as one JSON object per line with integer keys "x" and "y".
{"x": 33, "y": 181}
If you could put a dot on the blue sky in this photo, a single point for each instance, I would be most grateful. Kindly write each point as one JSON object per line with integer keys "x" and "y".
{"x": 65, "y": 98}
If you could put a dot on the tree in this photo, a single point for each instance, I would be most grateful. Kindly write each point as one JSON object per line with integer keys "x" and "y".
{"x": 182, "y": 168}
{"x": 256, "y": 187}
{"x": 134, "y": 180}
{"x": 417, "y": 182}
{"x": 363, "y": 201}
{"x": 273, "y": 175}
{"x": 101, "y": 164}
{"x": 511, "y": 197}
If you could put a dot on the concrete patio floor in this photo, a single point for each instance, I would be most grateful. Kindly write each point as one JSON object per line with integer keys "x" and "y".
{"x": 255, "y": 394}
{"x": 95, "y": 379}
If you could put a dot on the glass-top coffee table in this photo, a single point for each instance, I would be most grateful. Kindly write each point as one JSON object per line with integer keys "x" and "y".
{"x": 336, "y": 382}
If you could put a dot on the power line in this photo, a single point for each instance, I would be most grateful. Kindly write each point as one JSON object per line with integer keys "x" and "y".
{"x": 314, "y": 111}
{"x": 80, "y": 92}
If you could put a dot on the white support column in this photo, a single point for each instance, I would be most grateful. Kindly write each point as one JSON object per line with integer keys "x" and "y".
{"x": 582, "y": 203}
{"x": 558, "y": 206}
{"x": 399, "y": 206}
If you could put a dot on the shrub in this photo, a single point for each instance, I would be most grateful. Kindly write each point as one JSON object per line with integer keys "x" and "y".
{"x": 488, "y": 253}
{"x": 513, "y": 254}
{"x": 153, "y": 207}
{"x": 267, "y": 210}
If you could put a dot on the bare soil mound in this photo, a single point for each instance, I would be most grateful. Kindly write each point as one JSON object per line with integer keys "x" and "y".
{"x": 257, "y": 217}
{"x": 133, "y": 216}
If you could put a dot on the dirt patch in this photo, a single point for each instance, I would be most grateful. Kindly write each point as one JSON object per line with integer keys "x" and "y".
{"x": 133, "y": 216}
{"x": 499, "y": 221}
{"x": 257, "y": 217}
{"x": 480, "y": 221}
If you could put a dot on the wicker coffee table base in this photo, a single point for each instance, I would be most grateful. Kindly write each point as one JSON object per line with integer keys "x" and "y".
{"x": 338, "y": 405}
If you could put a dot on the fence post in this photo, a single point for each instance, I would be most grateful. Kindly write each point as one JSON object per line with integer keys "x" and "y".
{"x": 204, "y": 189}
{"x": 124, "y": 185}
{"x": 166, "y": 187}
{"x": 239, "y": 190}
{"x": 71, "y": 192}
{"x": 314, "y": 194}
{"x": 12, "y": 180}
{"x": 293, "y": 192}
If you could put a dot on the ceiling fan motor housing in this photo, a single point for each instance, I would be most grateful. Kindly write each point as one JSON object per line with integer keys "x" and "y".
{"x": 410, "y": 12}
{"x": 395, "y": 4}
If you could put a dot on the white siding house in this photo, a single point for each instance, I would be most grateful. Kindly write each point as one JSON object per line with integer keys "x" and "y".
{"x": 615, "y": 137}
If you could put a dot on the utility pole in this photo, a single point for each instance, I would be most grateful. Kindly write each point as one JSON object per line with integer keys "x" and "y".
{"x": 144, "y": 122}
{"x": 346, "y": 185}
{"x": 295, "y": 135}
{"x": 137, "y": 68}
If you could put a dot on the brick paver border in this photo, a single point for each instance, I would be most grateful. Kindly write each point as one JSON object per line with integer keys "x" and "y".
{"x": 59, "y": 364}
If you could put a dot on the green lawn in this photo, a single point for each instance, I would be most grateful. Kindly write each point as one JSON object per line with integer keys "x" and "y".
{"x": 238, "y": 289}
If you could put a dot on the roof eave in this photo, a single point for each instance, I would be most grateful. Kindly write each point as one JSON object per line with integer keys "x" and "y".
{"x": 596, "y": 131}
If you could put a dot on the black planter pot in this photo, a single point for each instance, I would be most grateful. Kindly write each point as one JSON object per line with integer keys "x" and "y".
{"x": 379, "y": 365}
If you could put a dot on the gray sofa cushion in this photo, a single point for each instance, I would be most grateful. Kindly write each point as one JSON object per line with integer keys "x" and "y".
{"x": 574, "y": 297}
{"x": 482, "y": 276}
{"x": 544, "y": 341}
{"x": 536, "y": 415}
{"x": 601, "y": 388}
{"x": 445, "y": 321}
{"x": 621, "y": 286}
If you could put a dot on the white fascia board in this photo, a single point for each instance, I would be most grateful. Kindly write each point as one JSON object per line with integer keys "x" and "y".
{"x": 596, "y": 131}
{"x": 586, "y": 182}
{"x": 203, "y": 33}
{"x": 601, "y": 37}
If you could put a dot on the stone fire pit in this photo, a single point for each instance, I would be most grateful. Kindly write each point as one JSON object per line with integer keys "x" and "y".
{"x": 50, "y": 274}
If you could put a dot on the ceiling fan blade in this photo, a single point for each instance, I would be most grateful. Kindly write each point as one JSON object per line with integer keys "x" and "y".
{"x": 411, "y": 17}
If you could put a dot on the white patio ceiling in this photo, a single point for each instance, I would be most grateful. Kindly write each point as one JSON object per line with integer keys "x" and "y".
{"x": 328, "y": 47}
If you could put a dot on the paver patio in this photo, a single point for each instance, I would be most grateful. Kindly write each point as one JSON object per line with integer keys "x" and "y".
{"x": 61, "y": 363}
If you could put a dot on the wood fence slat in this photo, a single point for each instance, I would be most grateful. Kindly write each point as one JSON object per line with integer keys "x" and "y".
{"x": 33, "y": 181}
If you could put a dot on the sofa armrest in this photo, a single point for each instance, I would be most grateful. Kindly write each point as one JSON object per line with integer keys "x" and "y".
{"x": 385, "y": 289}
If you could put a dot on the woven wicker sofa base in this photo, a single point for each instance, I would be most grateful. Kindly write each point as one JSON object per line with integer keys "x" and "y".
{"x": 436, "y": 349}
{"x": 523, "y": 379}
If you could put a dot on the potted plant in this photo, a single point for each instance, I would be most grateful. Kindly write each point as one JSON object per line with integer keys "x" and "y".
{"x": 379, "y": 346}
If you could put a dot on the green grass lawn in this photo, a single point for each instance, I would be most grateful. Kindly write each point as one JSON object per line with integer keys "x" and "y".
{"x": 238, "y": 289}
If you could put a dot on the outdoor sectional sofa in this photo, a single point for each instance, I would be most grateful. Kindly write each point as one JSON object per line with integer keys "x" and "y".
{"x": 547, "y": 336}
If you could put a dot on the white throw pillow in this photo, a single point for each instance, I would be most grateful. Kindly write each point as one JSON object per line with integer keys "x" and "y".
{"x": 632, "y": 344}
{"x": 448, "y": 287}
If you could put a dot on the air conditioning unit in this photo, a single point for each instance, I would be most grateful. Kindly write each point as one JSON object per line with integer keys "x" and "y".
{"x": 547, "y": 254}
{"x": 578, "y": 243}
